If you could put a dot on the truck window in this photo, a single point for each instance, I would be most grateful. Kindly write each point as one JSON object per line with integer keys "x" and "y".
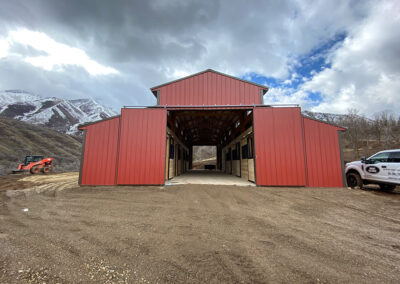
{"x": 379, "y": 158}
{"x": 394, "y": 157}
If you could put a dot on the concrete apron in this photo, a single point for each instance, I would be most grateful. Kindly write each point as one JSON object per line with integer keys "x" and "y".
{"x": 208, "y": 177}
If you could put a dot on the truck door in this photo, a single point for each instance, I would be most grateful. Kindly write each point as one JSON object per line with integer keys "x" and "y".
{"x": 376, "y": 167}
{"x": 394, "y": 167}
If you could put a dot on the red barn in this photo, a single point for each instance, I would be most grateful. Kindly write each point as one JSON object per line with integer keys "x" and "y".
{"x": 268, "y": 145}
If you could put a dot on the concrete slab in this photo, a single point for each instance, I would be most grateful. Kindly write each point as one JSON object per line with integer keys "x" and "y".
{"x": 208, "y": 177}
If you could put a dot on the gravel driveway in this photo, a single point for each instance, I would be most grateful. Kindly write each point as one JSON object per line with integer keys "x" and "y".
{"x": 199, "y": 234}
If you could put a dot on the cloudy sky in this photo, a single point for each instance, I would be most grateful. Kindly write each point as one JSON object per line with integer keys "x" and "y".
{"x": 324, "y": 55}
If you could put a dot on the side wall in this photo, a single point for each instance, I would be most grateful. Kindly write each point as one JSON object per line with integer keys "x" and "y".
{"x": 100, "y": 153}
{"x": 324, "y": 165}
{"x": 209, "y": 88}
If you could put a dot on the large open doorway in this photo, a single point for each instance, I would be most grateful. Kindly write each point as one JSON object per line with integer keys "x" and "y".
{"x": 228, "y": 132}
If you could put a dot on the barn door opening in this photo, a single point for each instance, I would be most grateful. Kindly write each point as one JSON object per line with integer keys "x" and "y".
{"x": 207, "y": 135}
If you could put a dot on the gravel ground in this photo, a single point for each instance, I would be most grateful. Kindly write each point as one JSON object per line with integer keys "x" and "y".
{"x": 196, "y": 234}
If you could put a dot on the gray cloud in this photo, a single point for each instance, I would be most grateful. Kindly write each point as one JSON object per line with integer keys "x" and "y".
{"x": 150, "y": 42}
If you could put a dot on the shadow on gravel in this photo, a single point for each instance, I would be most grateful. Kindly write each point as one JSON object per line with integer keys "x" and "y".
{"x": 376, "y": 190}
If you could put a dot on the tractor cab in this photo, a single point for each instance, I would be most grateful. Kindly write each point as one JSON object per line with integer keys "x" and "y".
{"x": 32, "y": 159}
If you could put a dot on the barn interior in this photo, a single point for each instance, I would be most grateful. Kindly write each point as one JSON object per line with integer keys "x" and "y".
{"x": 229, "y": 130}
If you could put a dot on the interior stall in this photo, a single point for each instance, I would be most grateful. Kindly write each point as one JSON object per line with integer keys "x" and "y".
{"x": 239, "y": 156}
{"x": 176, "y": 155}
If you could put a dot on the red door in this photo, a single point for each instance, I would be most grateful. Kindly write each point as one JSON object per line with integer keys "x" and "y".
{"x": 141, "y": 158}
{"x": 278, "y": 145}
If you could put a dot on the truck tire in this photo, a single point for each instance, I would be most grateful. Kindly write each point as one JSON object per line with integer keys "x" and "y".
{"x": 387, "y": 187}
{"x": 354, "y": 180}
{"x": 35, "y": 170}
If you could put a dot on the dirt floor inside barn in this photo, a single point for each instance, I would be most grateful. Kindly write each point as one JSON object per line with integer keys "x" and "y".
{"x": 53, "y": 231}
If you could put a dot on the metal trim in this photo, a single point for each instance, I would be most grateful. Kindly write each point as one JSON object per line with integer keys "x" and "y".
{"x": 82, "y": 157}
{"x": 262, "y": 97}
{"x": 117, "y": 160}
{"x": 250, "y": 107}
{"x": 304, "y": 151}
{"x": 165, "y": 146}
{"x": 158, "y": 97}
{"x": 344, "y": 182}
{"x": 254, "y": 151}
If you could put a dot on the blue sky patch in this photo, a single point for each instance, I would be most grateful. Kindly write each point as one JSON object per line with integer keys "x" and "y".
{"x": 305, "y": 68}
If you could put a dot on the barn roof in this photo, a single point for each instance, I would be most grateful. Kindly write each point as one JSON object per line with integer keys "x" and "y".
{"x": 83, "y": 125}
{"x": 340, "y": 128}
{"x": 153, "y": 89}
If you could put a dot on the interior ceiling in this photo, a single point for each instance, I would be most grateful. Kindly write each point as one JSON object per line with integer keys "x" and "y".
{"x": 205, "y": 127}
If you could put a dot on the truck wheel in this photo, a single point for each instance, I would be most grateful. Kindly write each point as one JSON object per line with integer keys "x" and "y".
{"x": 387, "y": 187}
{"x": 354, "y": 180}
{"x": 35, "y": 170}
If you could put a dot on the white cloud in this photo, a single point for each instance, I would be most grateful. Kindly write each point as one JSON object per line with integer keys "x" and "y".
{"x": 57, "y": 56}
{"x": 3, "y": 48}
{"x": 365, "y": 69}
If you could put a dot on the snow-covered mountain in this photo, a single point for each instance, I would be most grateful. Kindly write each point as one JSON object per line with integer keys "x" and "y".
{"x": 60, "y": 114}
{"x": 324, "y": 116}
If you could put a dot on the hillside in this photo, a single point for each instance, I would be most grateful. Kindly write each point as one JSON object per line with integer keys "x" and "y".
{"x": 18, "y": 139}
{"x": 56, "y": 113}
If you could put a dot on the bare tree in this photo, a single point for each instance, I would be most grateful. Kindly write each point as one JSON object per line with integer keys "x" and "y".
{"x": 357, "y": 126}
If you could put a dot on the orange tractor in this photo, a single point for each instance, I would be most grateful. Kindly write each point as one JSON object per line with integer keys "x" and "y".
{"x": 35, "y": 165}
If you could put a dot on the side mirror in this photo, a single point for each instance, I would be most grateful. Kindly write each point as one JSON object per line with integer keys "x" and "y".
{"x": 363, "y": 160}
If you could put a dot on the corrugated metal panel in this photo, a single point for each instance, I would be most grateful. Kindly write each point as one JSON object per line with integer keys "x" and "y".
{"x": 100, "y": 156}
{"x": 142, "y": 146}
{"x": 278, "y": 144}
{"x": 322, "y": 154}
{"x": 209, "y": 88}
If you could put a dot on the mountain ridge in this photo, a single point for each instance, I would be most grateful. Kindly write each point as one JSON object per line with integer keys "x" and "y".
{"x": 60, "y": 114}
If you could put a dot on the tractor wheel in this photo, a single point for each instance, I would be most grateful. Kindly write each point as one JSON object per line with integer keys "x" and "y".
{"x": 35, "y": 170}
{"x": 354, "y": 180}
{"x": 46, "y": 170}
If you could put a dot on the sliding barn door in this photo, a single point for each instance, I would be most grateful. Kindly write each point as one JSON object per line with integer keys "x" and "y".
{"x": 141, "y": 157}
{"x": 279, "y": 149}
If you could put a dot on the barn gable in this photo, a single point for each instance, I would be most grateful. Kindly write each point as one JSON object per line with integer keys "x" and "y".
{"x": 209, "y": 88}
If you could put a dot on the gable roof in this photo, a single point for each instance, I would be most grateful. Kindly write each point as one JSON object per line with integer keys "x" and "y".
{"x": 340, "y": 128}
{"x": 83, "y": 125}
{"x": 153, "y": 89}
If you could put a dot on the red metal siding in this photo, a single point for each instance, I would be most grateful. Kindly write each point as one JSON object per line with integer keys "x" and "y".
{"x": 100, "y": 156}
{"x": 322, "y": 154}
{"x": 142, "y": 146}
{"x": 279, "y": 147}
{"x": 209, "y": 88}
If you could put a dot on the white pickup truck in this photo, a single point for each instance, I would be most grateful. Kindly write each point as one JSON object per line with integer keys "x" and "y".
{"x": 383, "y": 169}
